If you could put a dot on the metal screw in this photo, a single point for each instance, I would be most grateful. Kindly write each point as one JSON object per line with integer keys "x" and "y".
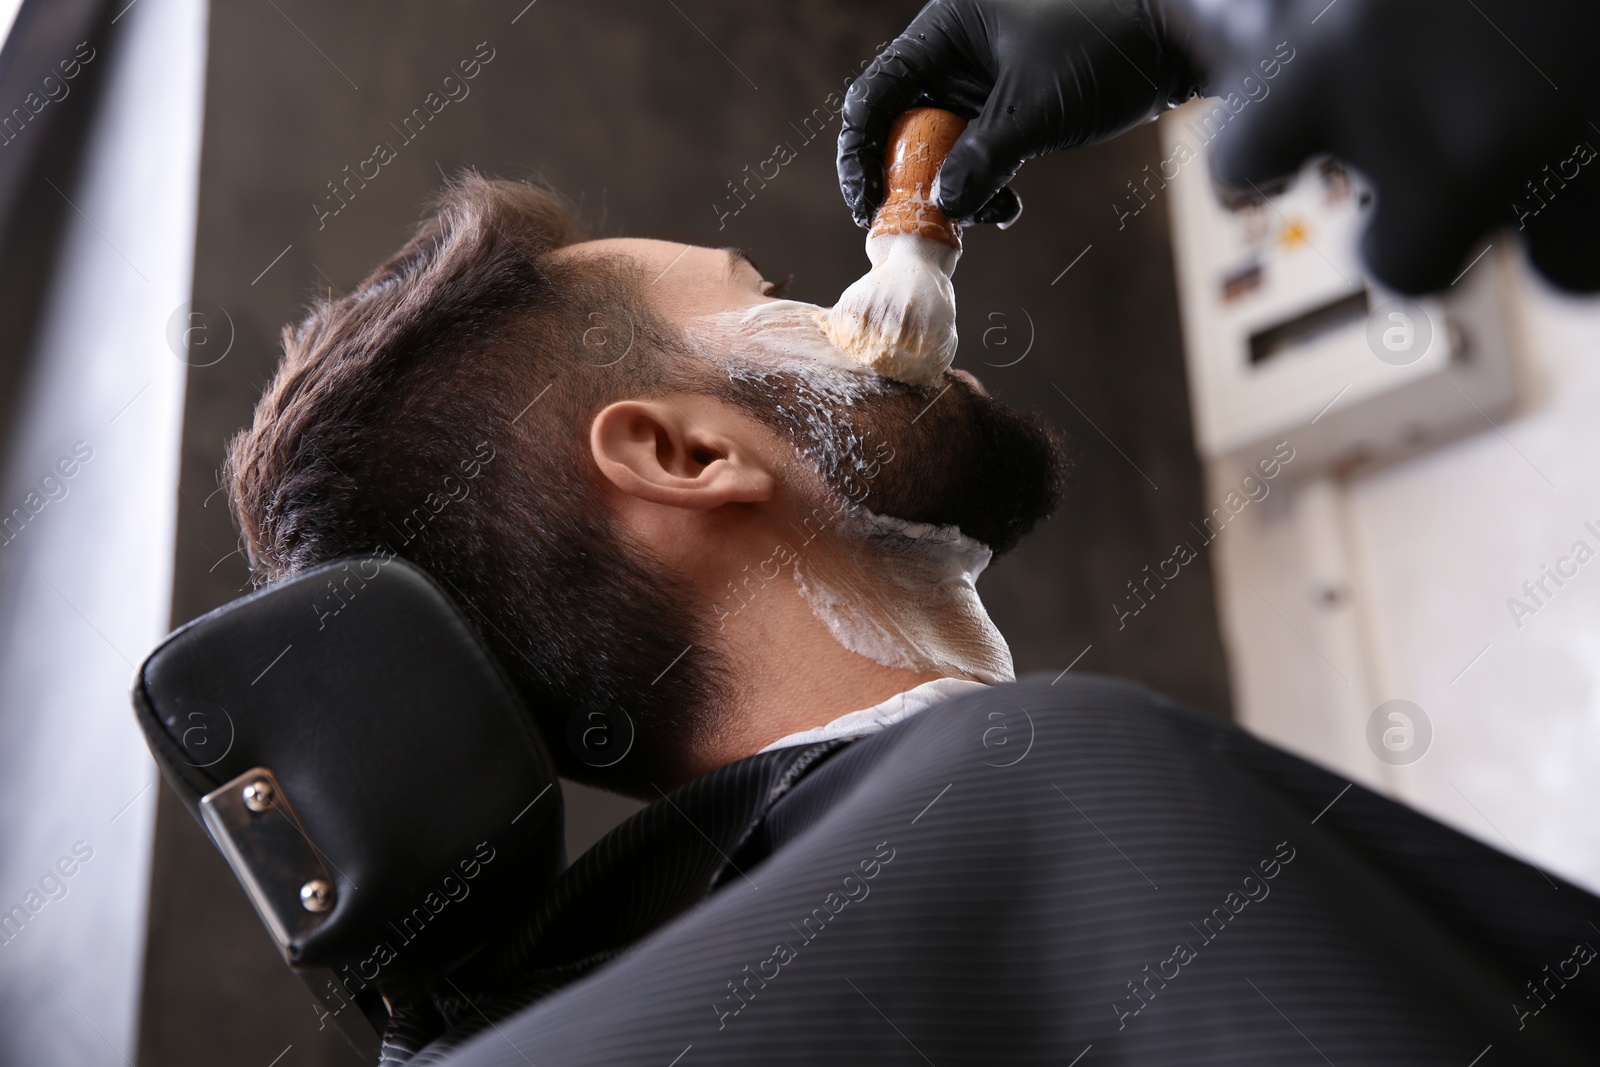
{"x": 316, "y": 895}
{"x": 259, "y": 795}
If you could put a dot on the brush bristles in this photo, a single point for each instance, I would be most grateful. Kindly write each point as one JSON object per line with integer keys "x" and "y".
{"x": 899, "y": 319}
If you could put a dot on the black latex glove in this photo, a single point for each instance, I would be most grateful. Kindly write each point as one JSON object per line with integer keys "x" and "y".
{"x": 1032, "y": 76}
{"x": 1448, "y": 107}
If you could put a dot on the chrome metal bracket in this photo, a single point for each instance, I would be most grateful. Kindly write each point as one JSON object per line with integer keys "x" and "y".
{"x": 263, "y": 840}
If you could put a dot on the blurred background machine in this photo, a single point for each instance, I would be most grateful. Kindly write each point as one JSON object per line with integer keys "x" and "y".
{"x": 1406, "y": 599}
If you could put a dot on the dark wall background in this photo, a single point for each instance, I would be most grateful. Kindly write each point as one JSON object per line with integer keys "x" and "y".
{"x": 644, "y": 112}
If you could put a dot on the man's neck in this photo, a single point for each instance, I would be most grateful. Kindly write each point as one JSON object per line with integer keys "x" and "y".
{"x": 792, "y": 673}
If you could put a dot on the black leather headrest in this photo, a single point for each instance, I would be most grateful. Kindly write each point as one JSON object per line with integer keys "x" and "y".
{"x": 364, "y": 764}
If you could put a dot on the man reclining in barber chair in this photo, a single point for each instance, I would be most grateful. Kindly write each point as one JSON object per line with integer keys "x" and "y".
{"x": 730, "y": 573}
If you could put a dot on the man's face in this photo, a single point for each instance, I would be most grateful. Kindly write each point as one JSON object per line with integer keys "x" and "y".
{"x": 960, "y": 458}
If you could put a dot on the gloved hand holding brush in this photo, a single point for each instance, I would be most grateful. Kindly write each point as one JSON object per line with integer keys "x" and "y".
{"x": 1456, "y": 113}
{"x": 1031, "y": 76}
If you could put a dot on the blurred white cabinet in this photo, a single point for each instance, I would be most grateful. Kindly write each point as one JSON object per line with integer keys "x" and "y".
{"x": 1286, "y": 338}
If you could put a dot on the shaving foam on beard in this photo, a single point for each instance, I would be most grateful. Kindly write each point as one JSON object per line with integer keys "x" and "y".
{"x": 899, "y": 319}
{"x": 905, "y": 595}
{"x": 758, "y": 344}
{"x": 901, "y": 594}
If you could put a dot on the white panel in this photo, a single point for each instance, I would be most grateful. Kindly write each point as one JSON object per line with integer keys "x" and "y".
{"x": 1448, "y": 541}
{"x": 1435, "y": 549}
{"x": 85, "y": 582}
{"x": 8, "y": 16}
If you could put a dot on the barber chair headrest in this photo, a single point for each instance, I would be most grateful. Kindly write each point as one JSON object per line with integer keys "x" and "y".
{"x": 366, "y": 768}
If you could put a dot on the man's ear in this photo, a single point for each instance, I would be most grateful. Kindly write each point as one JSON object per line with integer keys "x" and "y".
{"x": 654, "y": 450}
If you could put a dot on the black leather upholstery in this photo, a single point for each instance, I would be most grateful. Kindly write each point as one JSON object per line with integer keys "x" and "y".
{"x": 395, "y": 736}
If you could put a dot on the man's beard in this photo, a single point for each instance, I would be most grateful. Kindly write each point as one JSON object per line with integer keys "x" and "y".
{"x": 943, "y": 454}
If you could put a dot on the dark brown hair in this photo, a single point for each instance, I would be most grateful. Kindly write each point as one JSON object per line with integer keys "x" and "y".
{"x": 440, "y": 411}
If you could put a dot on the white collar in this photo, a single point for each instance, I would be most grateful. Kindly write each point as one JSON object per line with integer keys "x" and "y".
{"x": 871, "y": 720}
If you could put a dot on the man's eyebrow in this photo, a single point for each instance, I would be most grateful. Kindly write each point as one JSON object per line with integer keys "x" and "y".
{"x": 736, "y": 256}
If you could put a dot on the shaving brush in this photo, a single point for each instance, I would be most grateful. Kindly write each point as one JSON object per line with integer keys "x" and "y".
{"x": 899, "y": 319}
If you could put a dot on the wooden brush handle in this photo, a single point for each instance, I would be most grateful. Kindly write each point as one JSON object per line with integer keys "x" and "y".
{"x": 918, "y": 142}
